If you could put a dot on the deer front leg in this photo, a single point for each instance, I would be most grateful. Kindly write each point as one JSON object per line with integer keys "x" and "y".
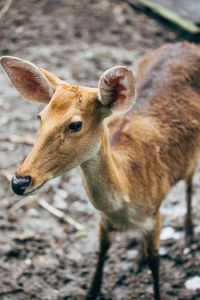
{"x": 152, "y": 243}
{"x": 105, "y": 240}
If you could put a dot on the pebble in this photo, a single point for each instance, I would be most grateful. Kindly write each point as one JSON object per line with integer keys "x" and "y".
{"x": 59, "y": 251}
{"x": 61, "y": 193}
{"x": 197, "y": 229}
{"x": 59, "y": 199}
{"x": 28, "y": 261}
{"x": 33, "y": 212}
{"x": 126, "y": 265}
{"x": 89, "y": 54}
{"x": 162, "y": 251}
{"x": 79, "y": 206}
{"x": 169, "y": 233}
{"x": 59, "y": 203}
{"x": 132, "y": 253}
{"x": 186, "y": 251}
{"x": 120, "y": 294}
{"x": 193, "y": 283}
{"x": 74, "y": 256}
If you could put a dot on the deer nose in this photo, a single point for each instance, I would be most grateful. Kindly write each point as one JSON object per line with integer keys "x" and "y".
{"x": 20, "y": 184}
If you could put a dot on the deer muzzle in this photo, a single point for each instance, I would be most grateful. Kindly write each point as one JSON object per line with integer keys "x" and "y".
{"x": 20, "y": 184}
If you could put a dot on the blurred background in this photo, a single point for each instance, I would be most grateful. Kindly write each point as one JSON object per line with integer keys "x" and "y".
{"x": 43, "y": 256}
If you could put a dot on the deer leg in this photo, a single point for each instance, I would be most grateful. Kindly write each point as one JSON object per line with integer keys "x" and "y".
{"x": 141, "y": 258}
{"x": 188, "y": 217}
{"x": 152, "y": 243}
{"x": 105, "y": 239}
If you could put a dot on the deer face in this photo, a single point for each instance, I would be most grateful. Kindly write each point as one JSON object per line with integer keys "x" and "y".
{"x": 69, "y": 134}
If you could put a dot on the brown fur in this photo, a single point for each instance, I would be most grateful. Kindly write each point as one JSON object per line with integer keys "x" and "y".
{"x": 129, "y": 162}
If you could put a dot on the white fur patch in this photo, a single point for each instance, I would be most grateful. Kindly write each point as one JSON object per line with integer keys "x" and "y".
{"x": 129, "y": 218}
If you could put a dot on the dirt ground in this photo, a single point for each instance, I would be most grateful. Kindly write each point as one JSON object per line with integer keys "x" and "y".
{"x": 42, "y": 257}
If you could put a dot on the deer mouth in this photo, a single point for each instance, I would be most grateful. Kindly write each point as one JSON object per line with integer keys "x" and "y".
{"x": 35, "y": 191}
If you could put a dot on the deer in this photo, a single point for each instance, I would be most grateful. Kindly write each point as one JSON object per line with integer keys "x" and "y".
{"x": 130, "y": 149}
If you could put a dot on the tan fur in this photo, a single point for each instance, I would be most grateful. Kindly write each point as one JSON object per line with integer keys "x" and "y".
{"x": 128, "y": 162}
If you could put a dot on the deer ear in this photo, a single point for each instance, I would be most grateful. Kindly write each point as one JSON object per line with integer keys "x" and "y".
{"x": 117, "y": 89}
{"x": 28, "y": 79}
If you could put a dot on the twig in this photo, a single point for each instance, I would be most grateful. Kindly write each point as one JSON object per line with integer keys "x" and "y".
{"x": 28, "y": 140}
{"x": 6, "y": 174}
{"x": 27, "y": 238}
{"x": 5, "y": 8}
{"x": 59, "y": 214}
{"x": 19, "y": 204}
{"x": 50, "y": 208}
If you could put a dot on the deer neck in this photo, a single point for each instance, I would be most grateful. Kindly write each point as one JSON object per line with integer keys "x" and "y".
{"x": 102, "y": 176}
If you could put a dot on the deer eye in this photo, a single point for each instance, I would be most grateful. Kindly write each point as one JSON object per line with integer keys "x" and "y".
{"x": 75, "y": 126}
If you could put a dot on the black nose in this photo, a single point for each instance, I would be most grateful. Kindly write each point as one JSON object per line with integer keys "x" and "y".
{"x": 19, "y": 184}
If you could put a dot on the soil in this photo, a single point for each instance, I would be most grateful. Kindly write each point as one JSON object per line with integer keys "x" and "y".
{"x": 41, "y": 256}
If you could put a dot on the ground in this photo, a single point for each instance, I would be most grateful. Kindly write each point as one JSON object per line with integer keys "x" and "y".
{"x": 41, "y": 256}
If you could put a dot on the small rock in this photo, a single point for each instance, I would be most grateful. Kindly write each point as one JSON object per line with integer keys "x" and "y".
{"x": 186, "y": 251}
{"x": 89, "y": 54}
{"x": 197, "y": 229}
{"x": 59, "y": 252}
{"x": 79, "y": 206}
{"x": 28, "y": 261}
{"x": 132, "y": 253}
{"x": 120, "y": 294}
{"x": 59, "y": 199}
{"x": 62, "y": 193}
{"x": 193, "y": 283}
{"x": 162, "y": 251}
{"x": 126, "y": 265}
{"x": 74, "y": 256}
{"x": 169, "y": 233}
{"x": 33, "y": 212}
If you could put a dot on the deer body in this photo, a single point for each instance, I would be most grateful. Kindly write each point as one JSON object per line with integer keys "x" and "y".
{"x": 141, "y": 143}
{"x": 128, "y": 162}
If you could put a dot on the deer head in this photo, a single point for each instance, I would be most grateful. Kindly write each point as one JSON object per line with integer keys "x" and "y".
{"x": 71, "y": 124}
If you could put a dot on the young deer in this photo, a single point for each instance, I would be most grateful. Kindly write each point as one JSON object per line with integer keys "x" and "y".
{"x": 129, "y": 161}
